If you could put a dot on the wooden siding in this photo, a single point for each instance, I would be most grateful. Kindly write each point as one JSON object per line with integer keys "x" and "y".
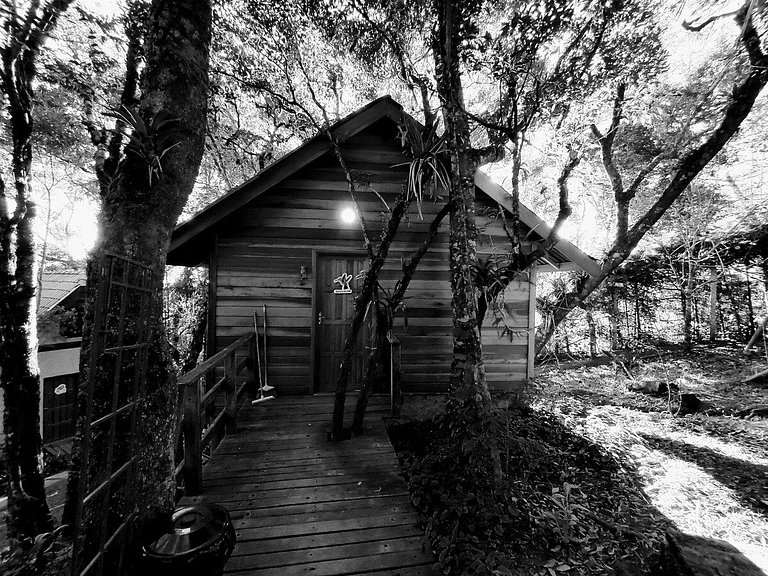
{"x": 261, "y": 248}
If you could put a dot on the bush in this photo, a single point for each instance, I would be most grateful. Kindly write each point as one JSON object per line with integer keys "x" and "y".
{"x": 539, "y": 519}
{"x": 47, "y": 555}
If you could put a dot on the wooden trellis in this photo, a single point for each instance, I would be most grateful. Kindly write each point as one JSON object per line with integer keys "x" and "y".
{"x": 113, "y": 395}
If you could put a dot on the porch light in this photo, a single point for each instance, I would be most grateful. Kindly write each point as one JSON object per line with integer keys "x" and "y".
{"x": 348, "y": 215}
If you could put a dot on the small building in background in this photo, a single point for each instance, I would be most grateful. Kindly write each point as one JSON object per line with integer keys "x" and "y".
{"x": 59, "y": 327}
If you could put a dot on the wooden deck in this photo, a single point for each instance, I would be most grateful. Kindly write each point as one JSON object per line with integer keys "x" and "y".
{"x": 303, "y": 505}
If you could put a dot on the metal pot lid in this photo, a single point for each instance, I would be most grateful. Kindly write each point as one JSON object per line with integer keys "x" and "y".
{"x": 192, "y": 529}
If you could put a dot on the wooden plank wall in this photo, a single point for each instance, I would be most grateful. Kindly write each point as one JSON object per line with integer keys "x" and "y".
{"x": 262, "y": 248}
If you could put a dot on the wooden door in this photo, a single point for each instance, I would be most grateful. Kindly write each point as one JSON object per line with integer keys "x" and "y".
{"x": 338, "y": 281}
{"x": 59, "y": 399}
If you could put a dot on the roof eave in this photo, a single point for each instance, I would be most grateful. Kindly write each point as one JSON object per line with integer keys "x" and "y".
{"x": 186, "y": 232}
{"x": 574, "y": 254}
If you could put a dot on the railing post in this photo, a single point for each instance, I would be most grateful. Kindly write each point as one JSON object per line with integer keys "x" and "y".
{"x": 253, "y": 383}
{"x": 230, "y": 393}
{"x": 395, "y": 362}
{"x": 193, "y": 460}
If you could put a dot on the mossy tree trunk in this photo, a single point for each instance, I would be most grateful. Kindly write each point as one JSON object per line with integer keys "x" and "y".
{"x": 467, "y": 380}
{"x": 469, "y": 398}
{"x": 140, "y": 205}
{"x": 24, "y": 34}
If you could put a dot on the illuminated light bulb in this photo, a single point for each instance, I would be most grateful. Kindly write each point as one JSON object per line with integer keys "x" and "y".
{"x": 348, "y": 215}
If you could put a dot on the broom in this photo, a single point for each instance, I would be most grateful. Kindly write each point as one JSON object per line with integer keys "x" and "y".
{"x": 264, "y": 387}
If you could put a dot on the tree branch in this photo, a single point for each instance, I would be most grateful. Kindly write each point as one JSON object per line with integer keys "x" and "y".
{"x": 692, "y": 27}
{"x": 606, "y": 152}
{"x": 407, "y": 70}
{"x": 564, "y": 211}
{"x": 340, "y": 157}
{"x": 51, "y": 13}
{"x": 741, "y": 103}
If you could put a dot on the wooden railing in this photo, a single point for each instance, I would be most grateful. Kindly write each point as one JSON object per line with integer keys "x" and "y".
{"x": 198, "y": 426}
{"x": 395, "y": 373}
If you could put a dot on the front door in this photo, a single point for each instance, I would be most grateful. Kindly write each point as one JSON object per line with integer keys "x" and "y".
{"x": 339, "y": 280}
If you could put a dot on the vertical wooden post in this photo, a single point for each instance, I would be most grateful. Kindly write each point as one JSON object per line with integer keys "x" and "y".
{"x": 531, "y": 356}
{"x": 395, "y": 362}
{"x": 230, "y": 393}
{"x": 193, "y": 461}
{"x": 253, "y": 381}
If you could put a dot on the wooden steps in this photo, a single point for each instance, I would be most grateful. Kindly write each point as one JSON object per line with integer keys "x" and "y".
{"x": 302, "y": 505}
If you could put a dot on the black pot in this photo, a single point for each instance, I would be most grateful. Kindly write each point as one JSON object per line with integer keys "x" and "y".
{"x": 199, "y": 540}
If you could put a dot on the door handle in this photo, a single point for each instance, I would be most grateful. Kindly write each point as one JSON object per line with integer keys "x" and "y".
{"x": 319, "y": 318}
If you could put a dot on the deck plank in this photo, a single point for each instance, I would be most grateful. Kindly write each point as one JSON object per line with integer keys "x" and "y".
{"x": 303, "y": 505}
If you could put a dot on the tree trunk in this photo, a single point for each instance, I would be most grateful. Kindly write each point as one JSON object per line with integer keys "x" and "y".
{"x": 712, "y": 304}
{"x": 138, "y": 213}
{"x": 358, "y": 315}
{"x": 627, "y": 323}
{"x": 28, "y": 513}
{"x": 378, "y": 327}
{"x": 613, "y": 318}
{"x": 409, "y": 269}
{"x": 685, "y": 311}
{"x": 592, "y": 331}
{"x": 696, "y": 318}
{"x": 469, "y": 399}
{"x": 638, "y": 324}
{"x": 467, "y": 380}
{"x": 750, "y": 306}
{"x": 688, "y": 307}
{"x": 734, "y": 308}
{"x": 721, "y": 316}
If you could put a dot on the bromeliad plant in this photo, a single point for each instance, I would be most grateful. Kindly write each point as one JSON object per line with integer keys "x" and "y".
{"x": 149, "y": 142}
{"x": 491, "y": 276}
{"x": 426, "y": 170}
{"x": 388, "y": 305}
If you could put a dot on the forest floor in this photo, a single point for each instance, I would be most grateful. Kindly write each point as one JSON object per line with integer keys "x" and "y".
{"x": 706, "y": 470}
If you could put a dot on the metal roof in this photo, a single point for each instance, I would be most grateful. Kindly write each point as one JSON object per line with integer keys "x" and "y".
{"x": 56, "y": 286}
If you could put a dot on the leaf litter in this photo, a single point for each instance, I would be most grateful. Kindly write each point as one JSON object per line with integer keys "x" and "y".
{"x": 706, "y": 471}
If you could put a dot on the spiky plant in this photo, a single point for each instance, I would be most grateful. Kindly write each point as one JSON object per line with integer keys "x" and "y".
{"x": 426, "y": 170}
{"x": 149, "y": 142}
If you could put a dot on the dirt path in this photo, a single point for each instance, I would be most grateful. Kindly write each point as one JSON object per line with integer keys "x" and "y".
{"x": 707, "y": 472}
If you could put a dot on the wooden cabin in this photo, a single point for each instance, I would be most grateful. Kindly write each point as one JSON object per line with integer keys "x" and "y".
{"x": 284, "y": 239}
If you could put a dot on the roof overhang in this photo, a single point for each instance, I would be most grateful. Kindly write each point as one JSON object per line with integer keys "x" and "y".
{"x": 191, "y": 234}
{"x": 571, "y": 252}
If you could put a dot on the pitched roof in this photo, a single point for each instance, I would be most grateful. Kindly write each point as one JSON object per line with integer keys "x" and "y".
{"x": 189, "y": 238}
{"x": 56, "y": 286}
